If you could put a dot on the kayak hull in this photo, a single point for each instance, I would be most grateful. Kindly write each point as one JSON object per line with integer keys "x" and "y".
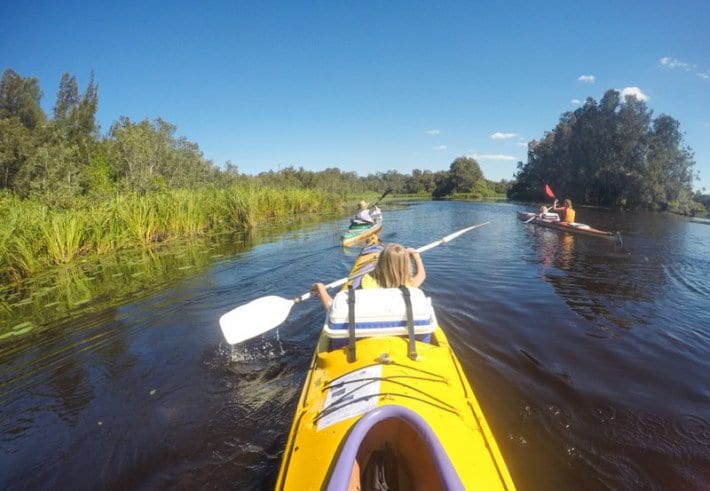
{"x": 355, "y": 235}
{"x": 412, "y": 421}
{"x": 575, "y": 228}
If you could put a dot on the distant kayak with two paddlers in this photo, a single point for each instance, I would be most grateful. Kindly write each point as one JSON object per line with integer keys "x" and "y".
{"x": 572, "y": 227}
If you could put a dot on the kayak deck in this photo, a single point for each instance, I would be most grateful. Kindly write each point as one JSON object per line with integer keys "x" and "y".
{"x": 337, "y": 394}
{"x": 572, "y": 227}
{"x": 370, "y": 413}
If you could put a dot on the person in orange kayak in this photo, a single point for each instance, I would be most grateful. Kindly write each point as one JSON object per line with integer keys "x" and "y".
{"x": 567, "y": 213}
{"x": 393, "y": 269}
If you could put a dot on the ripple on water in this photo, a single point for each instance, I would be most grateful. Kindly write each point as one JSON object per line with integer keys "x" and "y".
{"x": 689, "y": 275}
{"x": 669, "y": 439}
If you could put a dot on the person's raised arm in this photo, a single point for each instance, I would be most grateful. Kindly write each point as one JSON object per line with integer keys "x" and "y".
{"x": 420, "y": 274}
{"x": 318, "y": 289}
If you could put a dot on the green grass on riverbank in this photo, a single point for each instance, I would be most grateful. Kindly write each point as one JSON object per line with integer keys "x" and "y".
{"x": 35, "y": 237}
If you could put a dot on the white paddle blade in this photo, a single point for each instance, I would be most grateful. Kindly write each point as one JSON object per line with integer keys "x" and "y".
{"x": 254, "y": 318}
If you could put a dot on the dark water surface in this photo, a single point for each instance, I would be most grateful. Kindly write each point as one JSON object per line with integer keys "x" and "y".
{"x": 590, "y": 360}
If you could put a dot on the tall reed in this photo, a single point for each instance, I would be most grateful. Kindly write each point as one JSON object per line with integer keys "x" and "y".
{"x": 34, "y": 237}
{"x": 63, "y": 232}
{"x": 20, "y": 246}
{"x": 235, "y": 208}
{"x": 106, "y": 231}
{"x": 140, "y": 218}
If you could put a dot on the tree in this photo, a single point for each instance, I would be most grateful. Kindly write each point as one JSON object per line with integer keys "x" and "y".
{"x": 75, "y": 123}
{"x": 20, "y": 98}
{"x": 421, "y": 182}
{"x": 16, "y": 147}
{"x": 67, "y": 98}
{"x": 20, "y": 119}
{"x": 611, "y": 153}
{"x": 669, "y": 163}
{"x": 392, "y": 179}
{"x": 442, "y": 184}
{"x": 147, "y": 156}
{"x": 464, "y": 173}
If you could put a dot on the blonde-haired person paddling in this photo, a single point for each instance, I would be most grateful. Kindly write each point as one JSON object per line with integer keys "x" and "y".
{"x": 567, "y": 213}
{"x": 393, "y": 269}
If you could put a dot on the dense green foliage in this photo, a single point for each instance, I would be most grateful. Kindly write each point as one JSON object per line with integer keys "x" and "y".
{"x": 611, "y": 154}
{"x": 67, "y": 191}
{"x": 57, "y": 159}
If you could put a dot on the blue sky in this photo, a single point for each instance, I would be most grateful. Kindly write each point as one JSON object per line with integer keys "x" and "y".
{"x": 368, "y": 86}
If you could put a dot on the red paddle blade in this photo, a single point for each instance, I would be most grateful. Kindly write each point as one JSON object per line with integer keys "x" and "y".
{"x": 549, "y": 192}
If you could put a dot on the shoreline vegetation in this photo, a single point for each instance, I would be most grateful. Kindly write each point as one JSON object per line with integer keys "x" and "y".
{"x": 35, "y": 237}
{"x": 69, "y": 192}
{"x": 59, "y": 263}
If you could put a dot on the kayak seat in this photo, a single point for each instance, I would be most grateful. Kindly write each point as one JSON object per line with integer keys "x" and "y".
{"x": 380, "y": 312}
{"x": 394, "y": 446}
{"x": 550, "y": 216}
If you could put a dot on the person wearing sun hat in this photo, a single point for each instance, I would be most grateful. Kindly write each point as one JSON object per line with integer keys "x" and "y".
{"x": 363, "y": 214}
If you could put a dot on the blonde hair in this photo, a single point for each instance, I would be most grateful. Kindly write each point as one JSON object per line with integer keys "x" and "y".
{"x": 362, "y": 205}
{"x": 568, "y": 203}
{"x": 393, "y": 268}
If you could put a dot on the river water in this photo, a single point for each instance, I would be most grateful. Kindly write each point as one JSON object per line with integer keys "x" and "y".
{"x": 591, "y": 360}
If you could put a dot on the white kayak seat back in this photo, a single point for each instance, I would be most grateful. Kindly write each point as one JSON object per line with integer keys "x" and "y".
{"x": 550, "y": 216}
{"x": 380, "y": 312}
{"x": 357, "y": 221}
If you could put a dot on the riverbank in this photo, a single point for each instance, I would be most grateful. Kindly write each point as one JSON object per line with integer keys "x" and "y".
{"x": 35, "y": 237}
{"x": 101, "y": 282}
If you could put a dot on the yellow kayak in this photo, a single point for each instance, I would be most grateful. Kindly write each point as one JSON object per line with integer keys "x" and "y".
{"x": 386, "y": 404}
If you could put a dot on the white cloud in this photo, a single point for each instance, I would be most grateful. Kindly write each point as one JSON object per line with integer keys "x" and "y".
{"x": 440, "y": 147}
{"x": 493, "y": 157}
{"x": 672, "y": 63}
{"x": 502, "y": 136}
{"x": 633, "y": 92}
{"x": 575, "y": 102}
{"x": 432, "y": 132}
{"x": 587, "y": 79}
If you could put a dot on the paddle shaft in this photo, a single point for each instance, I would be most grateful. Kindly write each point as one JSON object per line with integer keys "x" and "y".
{"x": 421, "y": 249}
{"x": 382, "y": 197}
